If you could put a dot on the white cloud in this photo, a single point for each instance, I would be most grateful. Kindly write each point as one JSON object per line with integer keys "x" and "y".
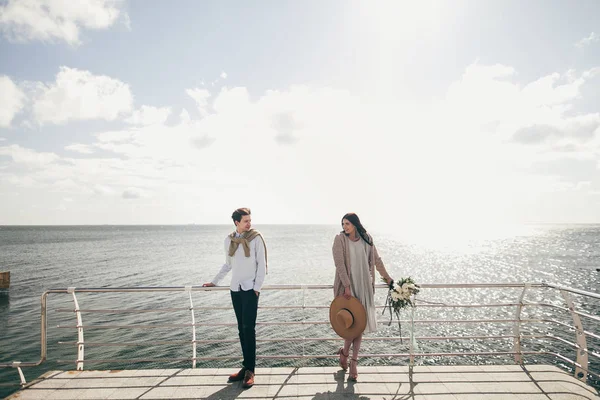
{"x": 201, "y": 97}
{"x": 80, "y": 148}
{"x": 103, "y": 190}
{"x": 231, "y": 100}
{"x": 223, "y": 75}
{"x": 488, "y": 96}
{"x": 132, "y": 193}
{"x": 586, "y": 41}
{"x": 591, "y": 73}
{"x": 148, "y": 115}
{"x": 580, "y": 129}
{"x": 325, "y": 140}
{"x": 583, "y": 185}
{"x": 57, "y": 20}
{"x": 184, "y": 116}
{"x": 28, "y": 157}
{"x": 12, "y": 101}
{"x": 80, "y": 95}
{"x": 202, "y": 142}
{"x": 547, "y": 91}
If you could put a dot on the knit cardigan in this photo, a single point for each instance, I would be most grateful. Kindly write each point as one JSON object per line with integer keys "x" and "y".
{"x": 341, "y": 258}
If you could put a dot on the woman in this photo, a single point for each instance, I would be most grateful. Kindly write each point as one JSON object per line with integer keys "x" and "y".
{"x": 355, "y": 258}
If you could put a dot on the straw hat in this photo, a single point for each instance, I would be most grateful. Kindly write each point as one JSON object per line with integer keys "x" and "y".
{"x": 348, "y": 317}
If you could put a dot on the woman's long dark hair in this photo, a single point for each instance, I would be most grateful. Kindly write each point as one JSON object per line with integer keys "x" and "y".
{"x": 354, "y": 220}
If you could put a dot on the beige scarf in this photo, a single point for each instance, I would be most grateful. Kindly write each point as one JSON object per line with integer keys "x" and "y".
{"x": 245, "y": 240}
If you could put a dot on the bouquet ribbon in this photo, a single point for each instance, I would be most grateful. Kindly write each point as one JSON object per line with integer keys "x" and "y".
{"x": 388, "y": 306}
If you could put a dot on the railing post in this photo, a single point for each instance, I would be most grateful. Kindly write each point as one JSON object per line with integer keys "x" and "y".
{"x": 17, "y": 365}
{"x": 303, "y": 319}
{"x": 517, "y": 327}
{"x": 189, "y": 290}
{"x": 582, "y": 355}
{"x": 411, "y": 339}
{"x": 80, "y": 345}
{"x": 43, "y": 327}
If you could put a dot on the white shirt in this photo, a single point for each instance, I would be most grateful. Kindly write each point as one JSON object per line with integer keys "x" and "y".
{"x": 247, "y": 272}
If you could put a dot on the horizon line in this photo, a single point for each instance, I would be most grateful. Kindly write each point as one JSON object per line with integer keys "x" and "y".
{"x": 227, "y": 224}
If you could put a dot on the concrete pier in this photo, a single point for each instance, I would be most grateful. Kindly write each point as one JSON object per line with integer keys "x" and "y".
{"x": 531, "y": 382}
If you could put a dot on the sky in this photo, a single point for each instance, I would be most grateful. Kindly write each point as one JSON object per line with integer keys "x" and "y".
{"x": 431, "y": 113}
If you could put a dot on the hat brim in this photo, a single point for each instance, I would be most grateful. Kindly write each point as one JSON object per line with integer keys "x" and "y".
{"x": 358, "y": 313}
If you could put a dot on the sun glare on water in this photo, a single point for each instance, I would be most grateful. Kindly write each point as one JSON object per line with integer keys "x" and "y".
{"x": 457, "y": 236}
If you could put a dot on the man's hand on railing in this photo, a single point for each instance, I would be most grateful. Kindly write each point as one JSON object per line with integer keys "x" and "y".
{"x": 208, "y": 284}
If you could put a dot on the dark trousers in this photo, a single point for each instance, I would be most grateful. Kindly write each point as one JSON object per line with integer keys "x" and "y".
{"x": 245, "y": 305}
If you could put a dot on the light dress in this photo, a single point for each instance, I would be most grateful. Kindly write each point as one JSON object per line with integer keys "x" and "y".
{"x": 360, "y": 283}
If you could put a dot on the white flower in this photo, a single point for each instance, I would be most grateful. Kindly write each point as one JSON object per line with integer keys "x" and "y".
{"x": 395, "y": 295}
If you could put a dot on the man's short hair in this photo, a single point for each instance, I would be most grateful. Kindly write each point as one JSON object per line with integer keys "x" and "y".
{"x": 237, "y": 214}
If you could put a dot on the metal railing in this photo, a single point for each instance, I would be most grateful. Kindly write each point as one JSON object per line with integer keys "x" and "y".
{"x": 580, "y": 365}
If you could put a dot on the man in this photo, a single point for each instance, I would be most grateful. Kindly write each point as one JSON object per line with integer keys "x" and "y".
{"x": 246, "y": 257}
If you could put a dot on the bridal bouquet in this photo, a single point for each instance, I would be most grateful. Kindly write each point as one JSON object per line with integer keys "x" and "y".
{"x": 400, "y": 296}
{"x": 400, "y": 293}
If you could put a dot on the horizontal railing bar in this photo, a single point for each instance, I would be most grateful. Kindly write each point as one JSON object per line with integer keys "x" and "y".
{"x": 573, "y": 290}
{"x": 182, "y": 288}
{"x": 574, "y": 363}
{"x": 292, "y": 287}
{"x": 448, "y": 354}
{"x": 473, "y": 285}
{"x": 374, "y": 339}
{"x": 327, "y": 307}
{"x": 134, "y": 310}
{"x": 553, "y": 321}
{"x": 454, "y": 321}
{"x": 310, "y": 356}
{"x": 559, "y": 323}
{"x": 22, "y": 364}
{"x": 588, "y": 333}
{"x": 571, "y": 327}
{"x": 126, "y": 344}
{"x": 145, "y": 310}
{"x": 586, "y": 315}
{"x": 591, "y": 334}
{"x": 420, "y": 304}
{"x": 576, "y": 346}
{"x": 529, "y": 303}
{"x": 581, "y": 313}
{"x": 188, "y": 325}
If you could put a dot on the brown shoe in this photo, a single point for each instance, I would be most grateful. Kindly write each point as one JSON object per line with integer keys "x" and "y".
{"x": 238, "y": 376}
{"x": 248, "y": 380}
